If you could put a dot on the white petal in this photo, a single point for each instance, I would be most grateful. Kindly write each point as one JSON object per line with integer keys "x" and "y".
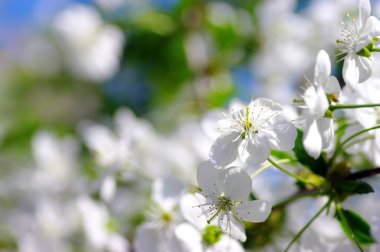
{"x": 365, "y": 68}
{"x": 366, "y": 116}
{"x": 207, "y": 175}
{"x": 169, "y": 241}
{"x": 364, "y": 11}
{"x": 225, "y": 149}
{"x": 254, "y": 211}
{"x": 258, "y": 150}
{"x": 370, "y": 29}
{"x": 108, "y": 188}
{"x": 209, "y": 123}
{"x": 374, "y": 26}
{"x": 191, "y": 213}
{"x": 316, "y": 101}
{"x": 229, "y": 225}
{"x": 263, "y": 103}
{"x": 167, "y": 192}
{"x": 226, "y": 244}
{"x": 224, "y": 124}
{"x": 284, "y": 135}
{"x": 235, "y": 105}
{"x": 189, "y": 237}
{"x": 312, "y": 140}
{"x": 326, "y": 129}
{"x": 236, "y": 183}
{"x": 117, "y": 243}
{"x": 322, "y": 68}
{"x": 147, "y": 239}
{"x": 350, "y": 71}
{"x": 356, "y": 69}
{"x": 332, "y": 86}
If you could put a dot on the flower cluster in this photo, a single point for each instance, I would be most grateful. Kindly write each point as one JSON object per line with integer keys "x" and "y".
{"x": 289, "y": 165}
{"x": 250, "y": 134}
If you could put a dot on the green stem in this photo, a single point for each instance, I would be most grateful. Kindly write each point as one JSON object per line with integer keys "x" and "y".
{"x": 375, "y": 49}
{"x": 345, "y": 222}
{"x": 339, "y": 147}
{"x": 353, "y": 106}
{"x": 297, "y": 196}
{"x": 290, "y": 173}
{"x": 298, "y": 235}
{"x": 281, "y": 161}
{"x": 359, "y": 140}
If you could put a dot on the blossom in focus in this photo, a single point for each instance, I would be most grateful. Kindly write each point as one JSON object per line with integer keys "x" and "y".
{"x": 251, "y": 132}
{"x": 356, "y": 36}
{"x": 319, "y": 131}
{"x": 224, "y": 199}
{"x": 196, "y": 235}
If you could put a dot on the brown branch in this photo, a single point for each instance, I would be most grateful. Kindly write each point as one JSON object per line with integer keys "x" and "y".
{"x": 364, "y": 174}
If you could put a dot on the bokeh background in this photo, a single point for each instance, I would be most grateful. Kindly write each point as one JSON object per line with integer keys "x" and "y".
{"x": 100, "y": 97}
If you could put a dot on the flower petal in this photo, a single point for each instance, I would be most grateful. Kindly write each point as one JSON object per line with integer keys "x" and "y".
{"x": 364, "y": 11}
{"x": 147, "y": 239}
{"x": 356, "y": 69}
{"x": 231, "y": 226}
{"x": 189, "y": 237}
{"x": 312, "y": 140}
{"x": 316, "y": 101}
{"x": 350, "y": 71}
{"x": 370, "y": 29}
{"x": 284, "y": 135}
{"x": 225, "y": 148}
{"x": 332, "y": 86}
{"x": 207, "y": 175}
{"x": 326, "y": 129}
{"x": 258, "y": 150}
{"x": 365, "y": 68}
{"x": 235, "y": 183}
{"x": 264, "y": 104}
{"x": 191, "y": 213}
{"x": 167, "y": 191}
{"x": 322, "y": 68}
{"x": 254, "y": 211}
{"x": 226, "y": 244}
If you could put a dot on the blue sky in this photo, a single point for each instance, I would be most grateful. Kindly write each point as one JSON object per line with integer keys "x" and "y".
{"x": 16, "y": 12}
{"x": 23, "y": 15}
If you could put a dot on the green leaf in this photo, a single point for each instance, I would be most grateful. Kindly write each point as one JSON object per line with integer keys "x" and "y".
{"x": 318, "y": 166}
{"x": 281, "y": 155}
{"x": 355, "y": 227}
{"x": 354, "y": 187}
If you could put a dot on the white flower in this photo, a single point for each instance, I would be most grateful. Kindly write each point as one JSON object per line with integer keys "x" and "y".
{"x": 319, "y": 132}
{"x": 196, "y": 236}
{"x": 157, "y": 234}
{"x": 356, "y": 36}
{"x": 252, "y": 132}
{"x": 99, "y": 227}
{"x": 366, "y": 93}
{"x": 56, "y": 161}
{"x": 224, "y": 199}
{"x": 92, "y": 48}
